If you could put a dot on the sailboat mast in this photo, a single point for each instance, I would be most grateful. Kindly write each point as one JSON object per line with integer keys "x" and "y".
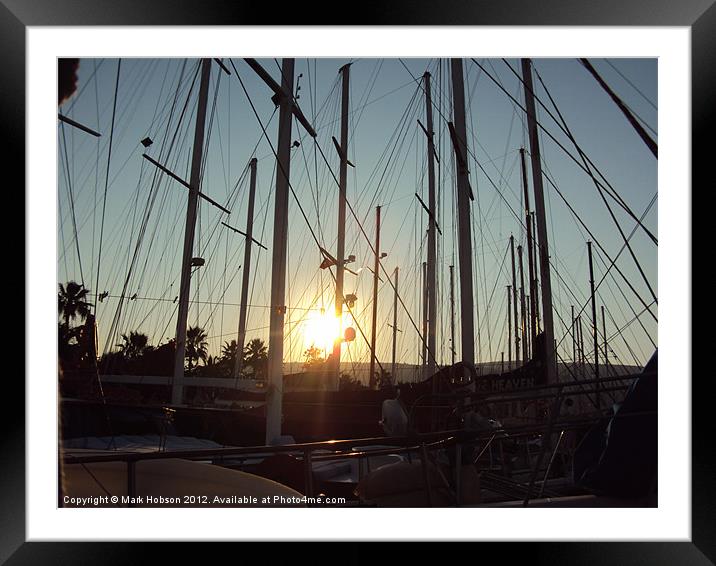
{"x": 247, "y": 269}
{"x": 530, "y": 258}
{"x": 274, "y": 396}
{"x": 189, "y": 230}
{"x": 514, "y": 301}
{"x": 606, "y": 354}
{"x": 431, "y": 273}
{"x": 527, "y": 346}
{"x": 574, "y": 338}
{"x": 452, "y": 314}
{"x": 523, "y": 310}
{"x": 464, "y": 195}
{"x": 509, "y": 327}
{"x": 534, "y": 273}
{"x": 425, "y": 317}
{"x": 595, "y": 336}
{"x": 549, "y": 353}
{"x": 395, "y": 326}
{"x": 581, "y": 346}
{"x": 376, "y": 269}
{"x": 340, "y": 251}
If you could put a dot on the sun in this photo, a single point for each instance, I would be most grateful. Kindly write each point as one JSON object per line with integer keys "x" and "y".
{"x": 320, "y": 329}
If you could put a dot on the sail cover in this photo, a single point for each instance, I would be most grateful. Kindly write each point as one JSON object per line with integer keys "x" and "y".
{"x": 619, "y": 457}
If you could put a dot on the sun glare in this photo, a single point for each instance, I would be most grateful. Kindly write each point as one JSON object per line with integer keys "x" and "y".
{"x": 320, "y": 329}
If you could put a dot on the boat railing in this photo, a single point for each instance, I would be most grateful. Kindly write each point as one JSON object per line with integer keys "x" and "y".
{"x": 420, "y": 443}
{"x": 338, "y": 450}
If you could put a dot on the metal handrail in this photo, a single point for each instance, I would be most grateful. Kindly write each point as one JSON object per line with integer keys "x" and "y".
{"x": 462, "y": 435}
{"x": 205, "y": 453}
{"x": 307, "y": 449}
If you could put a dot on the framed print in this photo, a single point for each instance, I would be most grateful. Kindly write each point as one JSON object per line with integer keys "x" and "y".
{"x": 475, "y": 186}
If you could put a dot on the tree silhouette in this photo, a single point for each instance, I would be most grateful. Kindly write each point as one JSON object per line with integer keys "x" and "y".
{"x": 228, "y": 351}
{"x": 134, "y": 346}
{"x": 76, "y": 347}
{"x": 196, "y": 346}
{"x": 211, "y": 368}
{"x": 71, "y": 302}
{"x": 256, "y": 357}
{"x": 313, "y": 358}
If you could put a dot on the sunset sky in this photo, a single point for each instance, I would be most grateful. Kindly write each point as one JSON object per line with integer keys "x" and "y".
{"x": 388, "y": 149}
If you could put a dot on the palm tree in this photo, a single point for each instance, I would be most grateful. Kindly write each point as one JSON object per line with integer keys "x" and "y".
{"x": 256, "y": 356}
{"x": 196, "y": 345}
{"x": 227, "y": 360}
{"x": 228, "y": 351}
{"x": 71, "y": 302}
{"x": 135, "y": 345}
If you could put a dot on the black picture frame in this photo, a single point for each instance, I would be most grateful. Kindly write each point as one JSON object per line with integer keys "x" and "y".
{"x": 699, "y": 15}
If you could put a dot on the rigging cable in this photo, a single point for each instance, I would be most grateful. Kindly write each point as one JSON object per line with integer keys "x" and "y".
{"x": 608, "y": 62}
{"x": 151, "y": 199}
{"x": 612, "y": 193}
{"x": 313, "y": 234}
{"x": 650, "y": 143}
{"x": 298, "y": 202}
{"x": 106, "y": 180}
{"x": 601, "y": 194}
{"x": 72, "y": 202}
